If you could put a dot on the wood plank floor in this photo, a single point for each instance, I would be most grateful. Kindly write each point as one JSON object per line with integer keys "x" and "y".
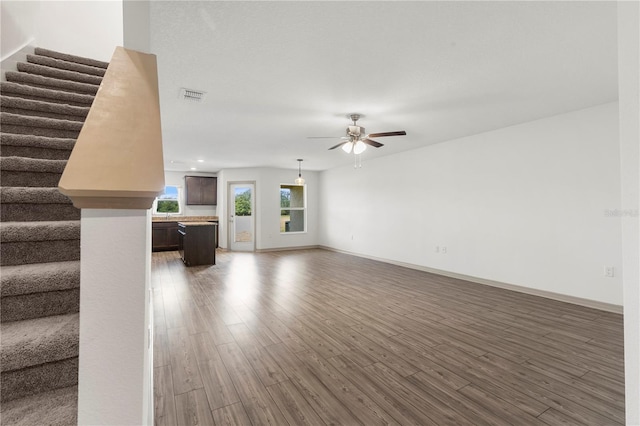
{"x": 313, "y": 337}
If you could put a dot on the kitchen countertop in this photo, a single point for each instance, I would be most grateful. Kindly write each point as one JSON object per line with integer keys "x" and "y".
{"x": 196, "y": 223}
{"x": 183, "y": 218}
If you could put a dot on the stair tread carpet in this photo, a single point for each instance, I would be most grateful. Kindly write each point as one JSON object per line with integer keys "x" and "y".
{"x": 41, "y": 122}
{"x": 39, "y": 277}
{"x": 48, "y": 61}
{"x": 41, "y": 204}
{"x": 70, "y": 58}
{"x": 41, "y": 106}
{"x": 36, "y": 165}
{"x": 50, "y": 95}
{"x": 58, "y": 407}
{"x": 38, "y": 341}
{"x": 33, "y": 141}
{"x": 48, "y": 82}
{"x": 59, "y": 73}
{"x": 39, "y": 231}
{"x": 32, "y": 195}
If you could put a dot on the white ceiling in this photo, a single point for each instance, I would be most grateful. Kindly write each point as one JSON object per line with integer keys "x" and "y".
{"x": 275, "y": 73}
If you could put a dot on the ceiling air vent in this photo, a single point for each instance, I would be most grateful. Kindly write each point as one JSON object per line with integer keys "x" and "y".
{"x": 191, "y": 95}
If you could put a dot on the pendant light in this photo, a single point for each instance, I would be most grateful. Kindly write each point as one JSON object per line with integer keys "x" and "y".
{"x": 347, "y": 147}
{"x": 299, "y": 179}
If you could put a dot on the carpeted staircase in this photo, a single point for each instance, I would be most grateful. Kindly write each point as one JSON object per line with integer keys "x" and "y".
{"x": 42, "y": 108}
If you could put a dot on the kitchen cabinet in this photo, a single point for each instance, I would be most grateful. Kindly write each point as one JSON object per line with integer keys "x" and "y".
{"x": 164, "y": 236}
{"x": 196, "y": 243}
{"x": 201, "y": 190}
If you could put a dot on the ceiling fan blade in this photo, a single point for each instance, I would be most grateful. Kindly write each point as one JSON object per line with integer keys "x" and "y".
{"x": 379, "y": 135}
{"x": 373, "y": 143}
{"x": 338, "y": 146}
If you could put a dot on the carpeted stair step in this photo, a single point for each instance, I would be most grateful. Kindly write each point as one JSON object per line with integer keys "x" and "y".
{"x": 43, "y": 106}
{"x": 39, "y": 242}
{"x": 30, "y": 146}
{"x": 37, "y": 355}
{"x": 59, "y": 407}
{"x": 15, "y": 105}
{"x": 22, "y": 204}
{"x": 30, "y": 172}
{"x": 39, "y": 378}
{"x": 47, "y": 95}
{"x": 70, "y": 58}
{"x": 39, "y": 290}
{"x": 51, "y": 83}
{"x": 58, "y": 73}
{"x": 39, "y": 126}
{"x": 48, "y": 61}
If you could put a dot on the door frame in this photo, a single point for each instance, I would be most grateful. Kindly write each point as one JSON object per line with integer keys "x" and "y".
{"x": 231, "y": 206}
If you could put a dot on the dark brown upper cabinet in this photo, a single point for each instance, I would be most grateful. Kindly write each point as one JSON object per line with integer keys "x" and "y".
{"x": 201, "y": 190}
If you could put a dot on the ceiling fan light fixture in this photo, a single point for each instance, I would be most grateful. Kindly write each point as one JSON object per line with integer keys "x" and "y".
{"x": 359, "y": 147}
{"x": 299, "y": 180}
{"x": 357, "y": 139}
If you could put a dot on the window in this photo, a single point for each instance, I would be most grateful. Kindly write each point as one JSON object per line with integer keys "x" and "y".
{"x": 293, "y": 211}
{"x": 169, "y": 201}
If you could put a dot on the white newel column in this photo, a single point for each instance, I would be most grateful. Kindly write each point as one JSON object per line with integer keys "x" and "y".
{"x": 115, "y": 349}
{"x": 114, "y": 173}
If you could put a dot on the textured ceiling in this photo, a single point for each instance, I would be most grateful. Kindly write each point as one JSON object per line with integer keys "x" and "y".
{"x": 275, "y": 73}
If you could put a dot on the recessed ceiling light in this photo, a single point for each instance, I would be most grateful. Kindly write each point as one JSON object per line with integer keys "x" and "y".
{"x": 193, "y": 168}
{"x": 200, "y": 161}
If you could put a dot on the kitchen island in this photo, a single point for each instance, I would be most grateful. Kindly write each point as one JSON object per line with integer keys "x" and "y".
{"x": 197, "y": 242}
{"x": 164, "y": 230}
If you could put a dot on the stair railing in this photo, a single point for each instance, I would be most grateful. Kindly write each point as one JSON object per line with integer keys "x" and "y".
{"x": 117, "y": 160}
{"x": 114, "y": 174}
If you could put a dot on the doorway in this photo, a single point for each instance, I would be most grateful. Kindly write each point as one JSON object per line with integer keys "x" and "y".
{"x": 241, "y": 219}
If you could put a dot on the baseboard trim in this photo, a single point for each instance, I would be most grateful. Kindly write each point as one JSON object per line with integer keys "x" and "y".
{"x": 267, "y": 250}
{"x": 603, "y": 306}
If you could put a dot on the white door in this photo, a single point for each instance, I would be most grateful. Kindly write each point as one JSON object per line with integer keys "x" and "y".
{"x": 241, "y": 216}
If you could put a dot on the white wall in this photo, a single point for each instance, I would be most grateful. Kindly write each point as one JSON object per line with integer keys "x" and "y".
{"x": 267, "y": 207}
{"x": 18, "y": 24}
{"x": 136, "y": 25}
{"x": 86, "y": 28}
{"x": 523, "y": 205}
{"x": 629, "y": 89}
{"x": 177, "y": 179}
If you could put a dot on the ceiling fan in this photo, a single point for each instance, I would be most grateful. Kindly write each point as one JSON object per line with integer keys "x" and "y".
{"x": 357, "y": 140}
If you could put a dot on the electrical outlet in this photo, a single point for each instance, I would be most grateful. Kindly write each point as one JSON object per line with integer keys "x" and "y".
{"x": 444, "y": 250}
{"x": 609, "y": 271}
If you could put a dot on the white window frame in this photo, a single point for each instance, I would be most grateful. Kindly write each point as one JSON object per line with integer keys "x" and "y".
{"x": 178, "y": 199}
{"x": 303, "y": 208}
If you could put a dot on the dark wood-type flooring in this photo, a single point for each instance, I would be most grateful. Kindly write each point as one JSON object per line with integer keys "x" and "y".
{"x": 316, "y": 337}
